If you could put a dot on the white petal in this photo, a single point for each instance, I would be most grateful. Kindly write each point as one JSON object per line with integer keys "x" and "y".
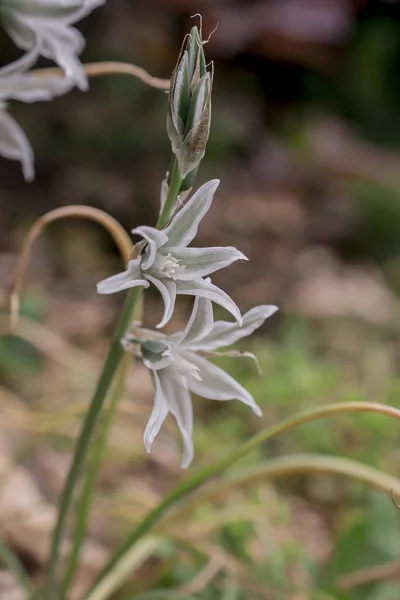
{"x": 49, "y": 21}
{"x": 205, "y": 289}
{"x": 63, "y": 45}
{"x": 155, "y": 239}
{"x": 183, "y": 227}
{"x": 200, "y": 323}
{"x": 180, "y": 405}
{"x": 225, "y": 334}
{"x": 122, "y": 281}
{"x": 199, "y": 262}
{"x": 30, "y": 88}
{"x": 167, "y": 289}
{"x": 216, "y": 384}
{"x": 158, "y": 414}
{"x": 67, "y": 11}
{"x": 15, "y": 145}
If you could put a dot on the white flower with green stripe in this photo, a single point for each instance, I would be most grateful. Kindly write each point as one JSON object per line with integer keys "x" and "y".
{"x": 17, "y": 83}
{"x": 48, "y": 22}
{"x": 179, "y": 366}
{"x": 172, "y": 267}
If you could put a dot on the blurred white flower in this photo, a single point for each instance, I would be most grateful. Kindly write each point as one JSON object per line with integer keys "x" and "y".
{"x": 179, "y": 366}
{"x": 48, "y": 22}
{"x": 173, "y": 268}
{"x": 17, "y": 84}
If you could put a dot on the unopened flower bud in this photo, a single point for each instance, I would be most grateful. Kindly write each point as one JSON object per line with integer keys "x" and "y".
{"x": 189, "y": 112}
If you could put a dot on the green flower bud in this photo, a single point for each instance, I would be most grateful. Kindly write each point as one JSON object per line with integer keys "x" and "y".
{"x": 189, "y": 111}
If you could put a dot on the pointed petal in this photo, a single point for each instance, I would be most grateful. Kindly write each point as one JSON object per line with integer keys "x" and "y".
{"x": 199, "y": 262}
{"x": 183, "y": 227}
{"x": 63, "y": 44}
{"x": 180, "y": 405}
{"x": 205, "y": 289}
{"x": 167, "y": 289}
{"x": 155, "y": 239}
{"x": 216, "y": 384}
{"x": 225, "y": 334}
{"x": 122, "y": 281}
{"x": 15, "y": 145}
{"x": 30, "y": 88}
{"x": 200, "y": 323}
{"x": 158, "y": 414}
{"x": 26, "y": 22}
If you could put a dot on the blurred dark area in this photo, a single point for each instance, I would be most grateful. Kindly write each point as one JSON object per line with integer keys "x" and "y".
{"x": 305, "y": 138}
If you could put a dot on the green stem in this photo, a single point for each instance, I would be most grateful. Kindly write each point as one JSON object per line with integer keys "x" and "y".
{"x": 219, "y": 466}
{"x": 173, "y": 191}
{"x": 91, "y": 474}
{"x": 13, "y": 564}
{"x": 113, "y": 359}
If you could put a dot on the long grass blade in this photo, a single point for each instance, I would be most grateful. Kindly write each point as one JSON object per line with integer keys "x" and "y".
{"x": 204, "y": 475}
{"x": 13, "y": 564}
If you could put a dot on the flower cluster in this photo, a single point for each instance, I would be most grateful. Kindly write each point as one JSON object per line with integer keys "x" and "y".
{"x": 40, "y": 27}
{"x": 178, "y": 362}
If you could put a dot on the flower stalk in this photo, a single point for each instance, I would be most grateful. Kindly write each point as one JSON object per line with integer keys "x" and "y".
{"x": 115, "y": 354}
{"x": 111, "y": 365}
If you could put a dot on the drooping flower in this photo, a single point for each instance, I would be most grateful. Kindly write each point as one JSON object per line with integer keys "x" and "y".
{"x": 178, "y": 366}
{"x": 48, "y": 22}
{"x": 18, "y": 84}
{"x": 171, "y": 266}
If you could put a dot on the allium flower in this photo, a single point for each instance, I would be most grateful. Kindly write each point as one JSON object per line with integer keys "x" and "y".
{"x": 16, "y": 83}
{"x": 179, "y": 366}
{"x": 48, "y": 22}
{"x": 171, "y": 266}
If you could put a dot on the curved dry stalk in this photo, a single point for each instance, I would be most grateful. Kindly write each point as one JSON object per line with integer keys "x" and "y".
{"x": 285, "y": 466}
{"x": 203, "y": 577}
{"x": 111, "y": 68}
{"x": 369, "y": 575}
{"x": 118, "y": 233}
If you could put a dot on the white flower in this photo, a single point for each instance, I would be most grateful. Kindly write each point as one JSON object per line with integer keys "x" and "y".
{"x": 29, "y": 22}
{"x": 16, "y": 83}
{"x": 178, "y": 367}
{"x": 173, "y": 268}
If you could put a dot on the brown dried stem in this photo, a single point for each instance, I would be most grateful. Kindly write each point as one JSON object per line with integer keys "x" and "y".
{"x": 111, "y": 68}
{"x": 118, "y": 233}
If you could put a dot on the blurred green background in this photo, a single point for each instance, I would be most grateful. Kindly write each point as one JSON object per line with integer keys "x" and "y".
{"x": 305, "y": 138}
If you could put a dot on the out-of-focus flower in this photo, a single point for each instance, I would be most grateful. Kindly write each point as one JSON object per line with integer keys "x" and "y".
{"x": 48, "y": 22}
{"x": 179, "y": 366}
{"x": 171, "y": 266}
{"x": 189, "y": 107}
{"x": 18, "y": 84}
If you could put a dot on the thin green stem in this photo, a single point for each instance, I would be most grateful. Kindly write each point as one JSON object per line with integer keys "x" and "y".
{"x": 91, "y": 475}
{"x": 14, "y": 565}
{"x": 174, "y": 187}
{"x": 197, "y": 479}
{"x": 113, "y": 359}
